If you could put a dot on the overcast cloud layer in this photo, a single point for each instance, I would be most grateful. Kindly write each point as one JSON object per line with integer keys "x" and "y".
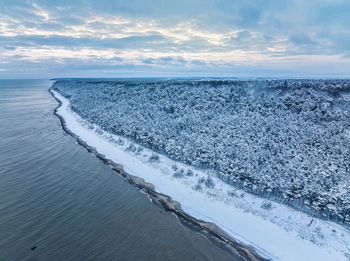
{"x": 82, "y": 38}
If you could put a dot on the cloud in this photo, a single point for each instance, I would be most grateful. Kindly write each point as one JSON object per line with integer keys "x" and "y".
{"x": 300, "y": 39}
{"x": 202, "y": 36}
{"x": 82, "y": 42}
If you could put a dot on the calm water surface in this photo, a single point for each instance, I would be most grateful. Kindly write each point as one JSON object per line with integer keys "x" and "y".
{"x": 64, "y": 202}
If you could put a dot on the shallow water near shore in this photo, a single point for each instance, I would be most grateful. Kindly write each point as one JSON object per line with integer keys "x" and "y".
{"x": 58, "y": 202}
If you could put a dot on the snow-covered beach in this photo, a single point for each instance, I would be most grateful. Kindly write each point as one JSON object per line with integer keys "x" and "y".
{"x": 286, "y": 140}
{"x": 275, "y": 231}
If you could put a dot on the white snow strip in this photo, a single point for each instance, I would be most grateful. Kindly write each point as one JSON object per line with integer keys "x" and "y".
{"x": 276, "y": 231}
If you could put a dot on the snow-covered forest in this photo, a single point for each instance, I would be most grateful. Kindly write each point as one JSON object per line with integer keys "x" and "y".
{"x": 288, "y": 140}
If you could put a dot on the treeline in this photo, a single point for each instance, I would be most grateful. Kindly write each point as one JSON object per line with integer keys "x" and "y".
{"x": 284, "y": 139}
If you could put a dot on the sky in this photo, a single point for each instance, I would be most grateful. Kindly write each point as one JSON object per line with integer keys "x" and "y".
{"x": 160, "y": 38}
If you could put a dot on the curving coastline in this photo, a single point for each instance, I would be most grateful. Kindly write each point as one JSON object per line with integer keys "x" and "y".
{"x": 242, "y": 131}
{"x": 210, "y": 230}
{"x": 253, "y": 233}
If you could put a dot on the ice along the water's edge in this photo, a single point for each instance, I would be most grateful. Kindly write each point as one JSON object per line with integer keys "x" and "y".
{"x": 255, "y": 227}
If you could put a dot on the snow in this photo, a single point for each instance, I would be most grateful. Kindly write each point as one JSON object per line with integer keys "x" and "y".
{"x": 277, "y": 232}
{"x": 282, "y": 139}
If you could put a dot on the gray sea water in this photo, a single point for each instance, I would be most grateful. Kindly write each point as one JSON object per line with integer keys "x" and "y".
{"x": 58, "y": 202}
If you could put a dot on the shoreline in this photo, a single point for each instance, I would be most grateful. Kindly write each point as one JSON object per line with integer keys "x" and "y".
{"x": 210, "y": 230}
{"x": 250, "y": 250}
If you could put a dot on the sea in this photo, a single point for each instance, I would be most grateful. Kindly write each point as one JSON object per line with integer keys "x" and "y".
{"x": 59, "y": 202}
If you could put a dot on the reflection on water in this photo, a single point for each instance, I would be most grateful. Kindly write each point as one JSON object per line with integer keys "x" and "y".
{"x": 58, "y": 202}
